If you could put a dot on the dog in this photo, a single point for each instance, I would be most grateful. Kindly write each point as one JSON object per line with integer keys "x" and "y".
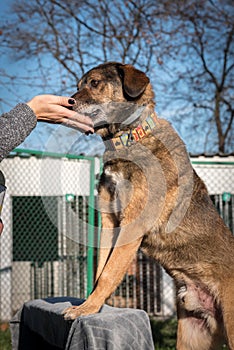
{"x": 151, "y": 197}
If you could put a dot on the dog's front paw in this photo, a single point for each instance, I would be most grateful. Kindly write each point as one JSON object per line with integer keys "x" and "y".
{"x": 71, "y": 313}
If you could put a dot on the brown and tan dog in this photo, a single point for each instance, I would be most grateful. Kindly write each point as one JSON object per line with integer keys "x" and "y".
{"x": 150, "y": 197}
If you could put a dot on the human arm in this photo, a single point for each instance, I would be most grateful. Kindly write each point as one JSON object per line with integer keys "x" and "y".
{"x": 18, "y": 123}
{"x": 15, "y": 126}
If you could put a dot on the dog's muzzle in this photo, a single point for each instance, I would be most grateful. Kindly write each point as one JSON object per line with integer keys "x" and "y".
{"x": 121, "y": 113}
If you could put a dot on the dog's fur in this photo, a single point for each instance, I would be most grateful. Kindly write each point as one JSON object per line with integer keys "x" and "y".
{"x": 150, "y": 197}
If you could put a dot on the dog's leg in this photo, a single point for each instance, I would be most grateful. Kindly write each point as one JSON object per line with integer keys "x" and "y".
{"x": 108, "y": 281}
{"x": 103, "y": 257}
{"x": 110, "y": 228}
{"x": 228, "y": 311}
{"x": 106, "y": 242}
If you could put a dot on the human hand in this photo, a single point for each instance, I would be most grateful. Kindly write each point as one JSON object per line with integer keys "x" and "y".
{"x": 1, "y": 226}
{"x": 52, "y": 109}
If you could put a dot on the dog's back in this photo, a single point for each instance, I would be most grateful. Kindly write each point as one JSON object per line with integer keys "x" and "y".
{"x": 151, "y": 197}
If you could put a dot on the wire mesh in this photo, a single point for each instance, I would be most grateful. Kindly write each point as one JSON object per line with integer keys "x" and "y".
{"x": 45, "y": 248}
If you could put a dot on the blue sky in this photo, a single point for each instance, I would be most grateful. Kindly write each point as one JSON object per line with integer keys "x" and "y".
{"x": 15, "y": 91}
{"x": 11, "y": 94}
{"x": 5, "y": 102}
{"x": 45, "y": 137}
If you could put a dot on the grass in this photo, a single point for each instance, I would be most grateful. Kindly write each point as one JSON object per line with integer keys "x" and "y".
{"x": 164, "y": 333}
{"x": 5, "y": 337}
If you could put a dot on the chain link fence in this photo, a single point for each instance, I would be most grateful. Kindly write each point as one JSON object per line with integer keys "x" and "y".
{"x": 52, "y": 228}
{"x": 48, "y": 244}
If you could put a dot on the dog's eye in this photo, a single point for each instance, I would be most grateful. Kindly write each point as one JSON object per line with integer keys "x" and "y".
{"x": 94, "y": 83}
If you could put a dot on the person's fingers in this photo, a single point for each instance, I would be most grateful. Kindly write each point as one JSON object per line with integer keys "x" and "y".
{"x": 75, "y": 116}
{"x": 66, "y": 101}
{"x": 80, "y": 118}
{"x": 52, "y": 109}
{"x": 57, "y": 112}
{"x": 76, "y": 124}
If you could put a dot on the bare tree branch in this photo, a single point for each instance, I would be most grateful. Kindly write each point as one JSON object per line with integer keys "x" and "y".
{"x": 186, "y": 47}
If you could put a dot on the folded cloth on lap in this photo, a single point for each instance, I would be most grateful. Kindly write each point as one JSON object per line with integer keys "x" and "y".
{"x": 40, "y": 324}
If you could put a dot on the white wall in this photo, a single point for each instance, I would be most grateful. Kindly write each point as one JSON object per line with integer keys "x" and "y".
{"x": 216, "y": 172}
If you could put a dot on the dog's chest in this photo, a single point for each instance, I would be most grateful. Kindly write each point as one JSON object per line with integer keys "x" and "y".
{"x": 114, "y": 190}
{"x": 115, "y": 182}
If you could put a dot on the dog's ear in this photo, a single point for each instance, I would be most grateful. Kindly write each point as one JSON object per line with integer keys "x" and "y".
{"x": 134, "y": 81}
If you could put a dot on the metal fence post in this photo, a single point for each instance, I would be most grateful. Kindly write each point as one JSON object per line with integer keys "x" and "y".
{"x": 90, "y": 250}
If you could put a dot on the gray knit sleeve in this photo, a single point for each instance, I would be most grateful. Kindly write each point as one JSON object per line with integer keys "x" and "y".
{"x": 15, "y": 126}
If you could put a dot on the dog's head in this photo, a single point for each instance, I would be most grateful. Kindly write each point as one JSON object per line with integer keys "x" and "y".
{"x": 114, "y": 95}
